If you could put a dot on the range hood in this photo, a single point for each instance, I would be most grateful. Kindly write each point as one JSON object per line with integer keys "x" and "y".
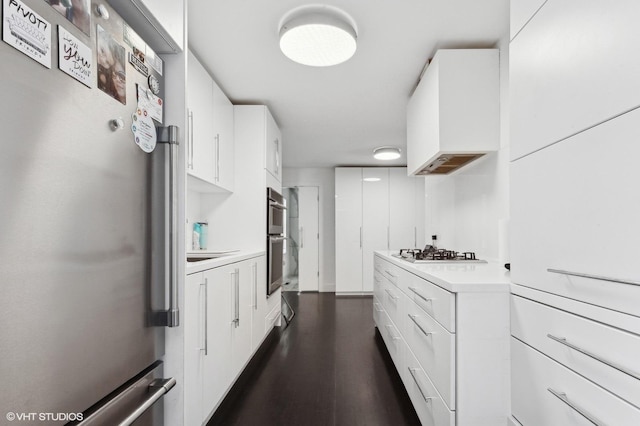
{"x": 453, "y": 117}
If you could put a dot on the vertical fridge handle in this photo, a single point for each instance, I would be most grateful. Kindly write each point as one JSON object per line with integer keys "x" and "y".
{"x": 171, "y": 317}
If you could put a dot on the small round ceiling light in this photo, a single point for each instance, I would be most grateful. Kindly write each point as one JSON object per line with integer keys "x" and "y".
{"x": 318, "y": 36}
{"x": 386, "y": 153}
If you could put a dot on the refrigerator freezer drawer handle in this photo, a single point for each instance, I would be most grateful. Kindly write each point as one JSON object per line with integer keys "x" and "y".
{"x": 157, "y": 389}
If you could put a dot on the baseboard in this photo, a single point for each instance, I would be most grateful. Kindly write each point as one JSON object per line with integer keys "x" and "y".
{"x": 328, "y": 288}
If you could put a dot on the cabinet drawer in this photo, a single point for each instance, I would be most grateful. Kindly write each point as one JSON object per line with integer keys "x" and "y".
{"x": 541, "y": 326}
{"x": 434, "y": 347}
{"x": 582, "y": 221}
{"x": 378, "y": 264}
{"x": 434, "y": 300}
{"x": 393, "y": 340}
{"x": 428, "y": 404}
{"x": 392, "y": 300}
{"x": 378, "y": 286}
{"x": 536, "y": 377}
{"x": 378, "y": 313}
{"x": 272, "y": 318}
{"x": 391, "y": 272}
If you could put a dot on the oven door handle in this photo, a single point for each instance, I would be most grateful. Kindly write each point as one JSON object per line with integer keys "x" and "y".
{"x": 277, "y": 239}
{"x": 277, "y": 205}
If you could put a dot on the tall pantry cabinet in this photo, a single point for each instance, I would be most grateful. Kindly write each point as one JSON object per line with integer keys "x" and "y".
{"x": 575, "y": 114}
{"x": 377, "y": 208}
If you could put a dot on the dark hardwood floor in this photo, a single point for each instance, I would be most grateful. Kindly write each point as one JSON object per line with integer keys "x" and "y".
{"x": 328, "y": 367}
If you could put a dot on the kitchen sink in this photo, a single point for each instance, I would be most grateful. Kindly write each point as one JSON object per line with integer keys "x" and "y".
{"x": 198, "y": 257}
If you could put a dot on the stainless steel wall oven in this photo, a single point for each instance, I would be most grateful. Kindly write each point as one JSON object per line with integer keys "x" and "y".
{"x": 275, "y": 240}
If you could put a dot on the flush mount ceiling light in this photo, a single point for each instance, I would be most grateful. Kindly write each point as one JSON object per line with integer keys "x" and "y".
{"x": 318, "y": 36}
{"x": 386, "y": 153}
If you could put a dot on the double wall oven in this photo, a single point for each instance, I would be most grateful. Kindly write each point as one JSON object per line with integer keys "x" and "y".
{"x": 275, "y": 240}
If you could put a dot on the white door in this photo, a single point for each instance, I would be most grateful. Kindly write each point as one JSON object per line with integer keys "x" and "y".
{"x": 308, "y": 263}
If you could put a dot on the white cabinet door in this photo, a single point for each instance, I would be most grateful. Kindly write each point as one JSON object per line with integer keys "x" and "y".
{"x": 219, "y": 284}
{"x": 308, "y": 261}
{"x": 574, "y": 208}
{"x": 241, "y": 307}
{"x": 259, "y": 292}
{"x": 200, "y": 142}
{"x": 375, "y": 219}
{"x": 273, "y": 149}
{"x": 349, "y": 230}
{"x": 571, "y": 67}
{"x": 403, "y": 206}
{"x": 194, "y": 347}
{"x": 521, "y": 12}
{"x": 170, "y": 14}
{"x": 224, "y": 139}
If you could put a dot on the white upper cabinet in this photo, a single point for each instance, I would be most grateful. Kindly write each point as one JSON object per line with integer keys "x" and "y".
{"x": 210, "y": 142}
{"x": 224, "y": 139}
{"x": 571, "y": 67}
{"x": 453, "y": 115}
{"x": 160, "y": 23}
{"x": 201, "y": 136}
{"x": 273, "y": 151}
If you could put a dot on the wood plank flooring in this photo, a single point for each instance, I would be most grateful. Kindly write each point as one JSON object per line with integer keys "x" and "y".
{"x": 328, "y": 367}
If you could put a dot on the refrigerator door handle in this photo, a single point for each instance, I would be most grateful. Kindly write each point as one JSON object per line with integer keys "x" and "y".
{"x": 171, "y": 317}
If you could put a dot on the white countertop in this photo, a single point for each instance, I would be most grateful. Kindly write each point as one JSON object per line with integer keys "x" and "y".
{"x": 225, "y": 259}
{"x": 457, "y": 277}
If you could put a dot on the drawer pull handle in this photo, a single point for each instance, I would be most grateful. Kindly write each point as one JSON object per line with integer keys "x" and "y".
{"x": 413, "y": 318}
{"x": 376, "y": 305}
{"x": 394, "y": 297}
{"x": 595, "y": 277}
{"x": 563, "y": 397}
{"x": 390, "y": 327}
{"x": 421, "y": 296}
{"x": 427, "y": 399}
{"x": 563, "y": 341}
{"x": 390, "y": 274}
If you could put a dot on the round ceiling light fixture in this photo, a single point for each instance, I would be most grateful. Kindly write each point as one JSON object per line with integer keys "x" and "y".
{"x": 386, "y": 153}
{"x": 318, "y": 36}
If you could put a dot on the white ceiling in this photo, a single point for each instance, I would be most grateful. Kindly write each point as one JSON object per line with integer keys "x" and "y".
{"x": 336, "y": 116}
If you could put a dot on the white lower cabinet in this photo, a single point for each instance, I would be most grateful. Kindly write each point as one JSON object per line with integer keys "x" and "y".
{"x": 450, "y": 349}
{"x": 547, "y": 393}
{"x": 225, "y": 320}
{"x": 426, "y": 400}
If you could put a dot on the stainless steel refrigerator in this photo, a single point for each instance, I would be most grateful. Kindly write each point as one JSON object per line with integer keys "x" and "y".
{"x": 87, "y": 270}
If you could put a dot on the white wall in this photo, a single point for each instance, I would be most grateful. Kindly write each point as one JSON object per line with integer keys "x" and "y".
{"x": 324, "y": 179}
{"x": 469, "y": 210}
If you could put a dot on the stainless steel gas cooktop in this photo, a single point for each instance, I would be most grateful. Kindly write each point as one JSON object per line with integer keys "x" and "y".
{"x": 432, "y": 254}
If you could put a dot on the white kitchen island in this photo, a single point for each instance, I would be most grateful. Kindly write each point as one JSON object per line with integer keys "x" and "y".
{"x": 446, "y": 326}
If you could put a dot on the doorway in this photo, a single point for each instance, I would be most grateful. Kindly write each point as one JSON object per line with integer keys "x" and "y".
{"x": 301, "y": 251}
